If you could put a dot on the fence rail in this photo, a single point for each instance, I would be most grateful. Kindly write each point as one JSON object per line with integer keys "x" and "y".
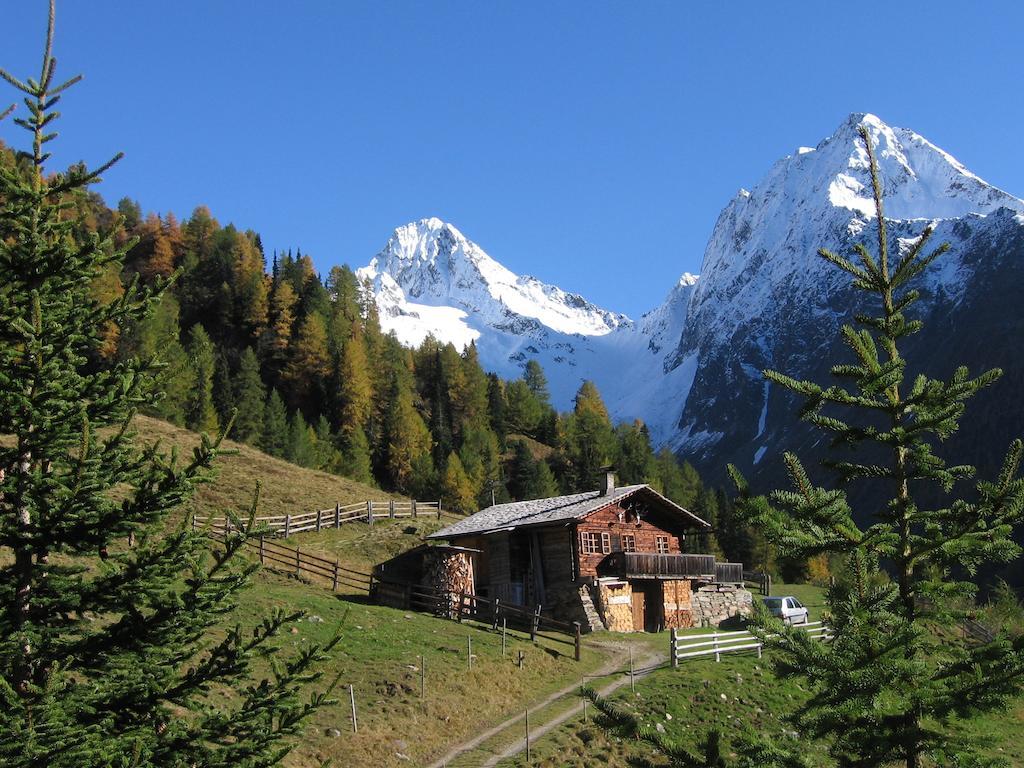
{"x": 335, "y": 517}
{"x": 294, "y": 561}
{"x": 718, "y": 643}
{"x": 762, "y": 580}
{"x": 461, "y": 606}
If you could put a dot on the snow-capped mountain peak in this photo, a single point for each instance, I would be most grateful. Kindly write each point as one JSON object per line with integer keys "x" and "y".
{"x": 430, "y": 264}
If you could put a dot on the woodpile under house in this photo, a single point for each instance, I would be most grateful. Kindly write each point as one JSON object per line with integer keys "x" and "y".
{"x": 609, "y": 559}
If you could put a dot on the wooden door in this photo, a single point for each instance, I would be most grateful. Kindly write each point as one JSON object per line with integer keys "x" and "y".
{"x": 638, "y": 610}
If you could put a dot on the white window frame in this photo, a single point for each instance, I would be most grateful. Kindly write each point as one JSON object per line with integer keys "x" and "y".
{"x": 661, "y": 545}
{"x": 590, "y": 543}
{"x": 631, "y": 546}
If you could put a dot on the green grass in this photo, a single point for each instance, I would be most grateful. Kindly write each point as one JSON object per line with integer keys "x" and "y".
{"x": 379, "y": 655}
{"x": 380, "y": 650}
{"x": 756, "y": 700}
{"x": 360, "y": 546}
{"x": 286, "y": 488}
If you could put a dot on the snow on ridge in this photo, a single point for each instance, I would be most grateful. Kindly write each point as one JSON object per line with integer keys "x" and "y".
{"x": 433, "y": 263}
{"x": 760, "y": 264}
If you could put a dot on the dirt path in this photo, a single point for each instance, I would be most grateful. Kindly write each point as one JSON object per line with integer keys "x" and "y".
{"x": 616, "y": 662}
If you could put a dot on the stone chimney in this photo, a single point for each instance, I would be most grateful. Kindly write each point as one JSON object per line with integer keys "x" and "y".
{"x": 608, "y": 483}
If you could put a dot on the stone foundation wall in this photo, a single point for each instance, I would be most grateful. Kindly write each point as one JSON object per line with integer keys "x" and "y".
{"x": 615, "y": 604}
{"x": 678, "y": 604}
{"x": 713, "y": 604}
{"x": 564, "y": 602}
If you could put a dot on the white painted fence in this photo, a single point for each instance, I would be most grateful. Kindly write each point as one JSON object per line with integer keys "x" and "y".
{"x": 718, "y": 643}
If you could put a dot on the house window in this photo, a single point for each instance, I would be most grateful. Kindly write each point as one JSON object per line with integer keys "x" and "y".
{"x": 661, "y": 545}
{"x": 593, "y": 543}
{"x": 628, "y": 543}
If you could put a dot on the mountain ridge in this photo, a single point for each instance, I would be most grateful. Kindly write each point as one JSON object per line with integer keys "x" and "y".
{"x": 761, "y": 294}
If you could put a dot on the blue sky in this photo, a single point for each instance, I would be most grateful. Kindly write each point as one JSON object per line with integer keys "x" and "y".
{"x": 590, "y": 144}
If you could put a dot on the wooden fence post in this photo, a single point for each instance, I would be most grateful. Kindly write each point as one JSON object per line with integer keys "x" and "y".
{"x": 414, "y": 509}
{"x": 193, "y": 522}
{"x": 458, "y": 610}
{"x": 319, "y": 517}
{"x": 337, "y": 514}
{"x": 673, "y": 642}
{"x": 369, "y": 512}
{"x": 439, "y": 509}
{"x": 503, "y": 628}
{"x": 535, "y": 624}
{"x": 298, "y": 563}
{"x": 261, "y": 549}
{"x": 632, "y": 679}
{"x": 527, "y": 735}
{"x": 714, "y": 639}
{"x": 352, "y": 698}
{"x": 496, "y": 611}
{"x": 287, "y": 525}
{"x": 391, "y": 509}
{"x": 576, "y": 631}
{"x": 520, "y": 659}
{"x": 334, "y": 582}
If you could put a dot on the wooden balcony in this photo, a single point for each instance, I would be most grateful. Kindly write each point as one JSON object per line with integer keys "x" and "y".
{"x": 647, "y": 565}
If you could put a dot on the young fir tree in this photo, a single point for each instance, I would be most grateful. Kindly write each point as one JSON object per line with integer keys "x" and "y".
{"x": 893, "y": 678}
{"x": 201, "y": 414}
{"x": 275, "y": 426}
{"x": 108, "y": 653}
{"x": 249, "y": 396}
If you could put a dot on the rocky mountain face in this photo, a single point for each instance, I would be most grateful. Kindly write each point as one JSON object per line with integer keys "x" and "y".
{"x": 691, "y": 367}
{"x": 766, "y": 300}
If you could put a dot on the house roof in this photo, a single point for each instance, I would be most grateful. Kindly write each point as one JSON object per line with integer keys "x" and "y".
{"x": 505, "y": 517}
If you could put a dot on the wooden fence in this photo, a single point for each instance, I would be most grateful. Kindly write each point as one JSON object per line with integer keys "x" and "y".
{"x": 762, "y": 580}
{"x": 293, "y": 561}
{"x": 497, "y": 613}
{"x": 718, "y": 643}
{"x": 360, "y": 511}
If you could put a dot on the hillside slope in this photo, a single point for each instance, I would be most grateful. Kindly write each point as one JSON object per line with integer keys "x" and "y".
{"x": 286, "y": 488}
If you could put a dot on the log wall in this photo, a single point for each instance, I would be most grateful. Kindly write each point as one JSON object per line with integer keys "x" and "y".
{"x": 607, "y": 521}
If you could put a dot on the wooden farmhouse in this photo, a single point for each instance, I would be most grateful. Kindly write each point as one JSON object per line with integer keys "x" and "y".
{"x": 610, "y": 559}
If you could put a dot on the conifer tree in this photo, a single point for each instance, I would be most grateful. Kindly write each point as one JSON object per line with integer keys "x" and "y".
{"x": 277, "y": 337}
{"x": 355, "y": 389}
{"x": 496, "y": 406}
{"x": 457, "y": 491}
{"x": 523, "y": 411}
{"x": 590, "y": 441}
{"x": 156, "y": 335}
{"x": 635, "y": 459}
{"x": 223, "y": 391}
{"x": 408, "y": 439}
{"x": 891, "y": 680}
{"x": 356, "y": 456}
{"x": 249, "y": 397}
{"x": 201, "y": 414}
{"x": 308, "y": 363}
{"x": 275, "y": 426}
{"x": 537, "y": 382}
{"x": 108, "y": 653}
{"x": 301, "y": 448}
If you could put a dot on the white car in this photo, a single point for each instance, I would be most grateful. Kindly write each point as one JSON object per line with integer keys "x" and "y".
{"x": 787, "y": 608}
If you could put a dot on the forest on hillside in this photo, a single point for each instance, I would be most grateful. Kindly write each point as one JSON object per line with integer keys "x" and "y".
{"x": 300, "y": 363}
